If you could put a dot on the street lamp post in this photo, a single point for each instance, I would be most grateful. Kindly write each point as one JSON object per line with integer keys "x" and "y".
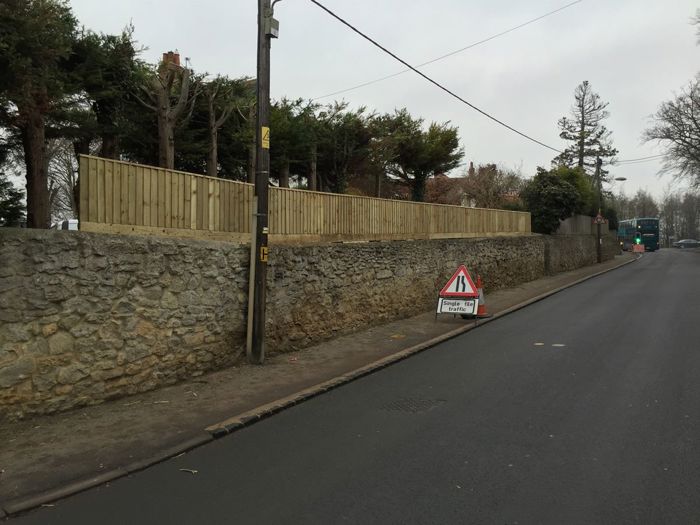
{"x": 599, "y": 217}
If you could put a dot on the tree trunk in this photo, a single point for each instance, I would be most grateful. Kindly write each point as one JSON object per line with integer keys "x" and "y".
{"x": 322, "y": 182}
{"x": 166, "y": 141}
{"x": 378, "y": 185}
{"x": 313, "y": 176}
{"x": 110, "y": 146}
{"x": 213, "y": 159}
{"x": 166, "y": 144}
{"x": 34, "y": 145}
{"x": 81, "y": 147}
{"x": 418, "y": 189}
{"x": 284, "y": 176}
{"x": 252, "y": 153}
{"x": 166, "y": 126}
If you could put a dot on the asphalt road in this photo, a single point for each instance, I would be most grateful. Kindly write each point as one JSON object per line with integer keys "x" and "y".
{"x": 582, "y": 408}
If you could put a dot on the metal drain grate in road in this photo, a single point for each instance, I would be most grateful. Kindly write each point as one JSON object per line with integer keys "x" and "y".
{"x": 412, "y": 405}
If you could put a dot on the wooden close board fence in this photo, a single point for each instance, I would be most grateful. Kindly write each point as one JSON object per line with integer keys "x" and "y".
{"x": 121, "y": 197}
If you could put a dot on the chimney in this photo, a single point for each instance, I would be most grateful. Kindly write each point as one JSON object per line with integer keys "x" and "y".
{"x": 171, "y": 58}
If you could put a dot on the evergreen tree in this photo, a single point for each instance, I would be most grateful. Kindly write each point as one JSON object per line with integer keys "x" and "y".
{"x": 419, "y": 153}
{"x": 549, "y": 198}
{"x": 585, "y": 132}
{"x": 104, "y": 67}
{"x": 11, "y": 205}
{"x": 36, "y": 39}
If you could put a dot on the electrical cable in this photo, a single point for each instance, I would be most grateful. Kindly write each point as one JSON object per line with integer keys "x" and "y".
{"x": 446, "y": 90}
{"x": 452, "y": 53}
{"x": 633, "y": 163}
{"x": 640, "y": 159}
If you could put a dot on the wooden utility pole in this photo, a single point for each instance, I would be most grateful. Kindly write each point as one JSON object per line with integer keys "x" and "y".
{"x": 267, "y": 29}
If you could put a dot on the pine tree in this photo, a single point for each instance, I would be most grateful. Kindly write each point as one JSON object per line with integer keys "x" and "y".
{"x": 589, "y": 138}
{"x": 36, "y": 38}
{"x": 11, "y": 205}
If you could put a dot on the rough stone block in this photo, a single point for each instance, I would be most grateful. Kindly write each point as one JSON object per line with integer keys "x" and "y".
{"x": 71, "y": 374}
{"x": 169, "y": 300}
{"x": 111, "y": 373}
{"x": 16, "y": 372}
{"x": 38, "y": 347}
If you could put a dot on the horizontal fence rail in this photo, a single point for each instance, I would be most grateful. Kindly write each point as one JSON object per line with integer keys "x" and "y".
{"x": 121, "y": 197}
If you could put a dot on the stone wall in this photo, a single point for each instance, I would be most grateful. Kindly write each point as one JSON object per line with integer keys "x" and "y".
{"x": 88, "y": 317}
{"x": 317, "y": 292}
{"x": 568, "y": 252}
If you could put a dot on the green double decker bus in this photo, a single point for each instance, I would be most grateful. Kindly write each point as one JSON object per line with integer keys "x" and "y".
{"x": 643, "y": 230}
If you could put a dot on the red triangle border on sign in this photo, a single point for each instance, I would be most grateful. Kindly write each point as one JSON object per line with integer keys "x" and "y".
{"x": 461, "y": 270}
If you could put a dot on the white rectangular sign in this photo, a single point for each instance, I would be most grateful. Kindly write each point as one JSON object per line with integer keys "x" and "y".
{"x": 457, "y": 306}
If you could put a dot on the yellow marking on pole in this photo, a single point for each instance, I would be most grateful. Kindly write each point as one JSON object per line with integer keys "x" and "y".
{"x": 265, "y": 136}
{"x": 264, "y": 250}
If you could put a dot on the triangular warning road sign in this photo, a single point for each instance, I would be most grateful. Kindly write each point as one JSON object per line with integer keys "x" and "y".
{"x": 460, "y": 285}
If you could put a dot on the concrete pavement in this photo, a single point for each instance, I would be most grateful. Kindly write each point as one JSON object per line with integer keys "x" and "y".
{"x": 47, "y": 458}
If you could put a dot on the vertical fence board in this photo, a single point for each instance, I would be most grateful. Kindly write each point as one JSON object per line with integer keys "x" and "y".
{"x": 146, "y": 177}
{"x": 202, "y": 203}
{"x": 105, "y": 183}
{"x": 92, "y": 191}
{"x": 84, "y": 189}
{"x": 188, "y": 201}
{"x": 167, "y": 201}
{"x": 139, "y": 193}
{"x": 156, "y": 205}
{"x": 124, "y": 198}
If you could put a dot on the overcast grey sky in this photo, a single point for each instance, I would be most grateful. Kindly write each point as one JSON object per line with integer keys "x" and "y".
{"x": 635, "y": 54}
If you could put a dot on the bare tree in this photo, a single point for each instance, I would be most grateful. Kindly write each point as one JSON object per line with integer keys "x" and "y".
{"x": 644, "y": 205}
{"x": 172, "y": 97}
{"x": 676, "y": 125}
{"x": 670, "y": 218}
{"x": 489, "y": 186}
{"x": 63, "y": 179}
{"x": 61, "y": 165}
{"x": 680, "y": 216}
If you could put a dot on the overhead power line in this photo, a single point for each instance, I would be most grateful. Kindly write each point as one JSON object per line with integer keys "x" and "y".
{"x": 446, "y": 90}
{"x": 634, "y": 163}
{"x": 638, "y": 160}
{"x": 451, "y": 53}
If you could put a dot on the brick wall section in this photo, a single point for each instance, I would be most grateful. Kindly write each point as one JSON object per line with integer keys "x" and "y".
{"x": 88, "y": 317}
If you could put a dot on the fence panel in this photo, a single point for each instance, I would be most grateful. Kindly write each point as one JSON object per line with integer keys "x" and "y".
{"x": 121, "y": 197}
